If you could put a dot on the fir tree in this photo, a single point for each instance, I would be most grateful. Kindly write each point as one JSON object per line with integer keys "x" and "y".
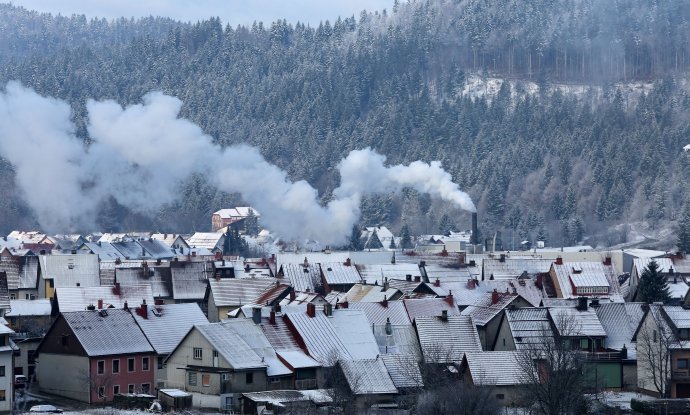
{"x": 684, "y": 230}
{"x": 251, "y": 224}
{"x": 405, "y": 238}
{"x": 392, "y": 244}
{"x": 653, "y": 286}
{"x": 374, "y": 242}
{"x": 446, "y": 225}
{"x": 355, "y": 239}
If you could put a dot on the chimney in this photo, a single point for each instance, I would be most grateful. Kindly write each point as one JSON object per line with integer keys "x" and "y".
{"x": 437, "y": 283}
{"x": 384, "y": 302}
{"x": 158, "y": 301}
{"x": 272, "y": 317}
{"x": 582, "y": 303}
{"x": 470, "y": 284}
{"x": 194, "y": 253}
{"x": 624, "y": 353}
{"x": 90, "y": 307}
{"x": 256, "y": 315}
{"x": 389, "y": 326}
{"x": 218, "y": 255}
{"x": 311, "y": 310}
{"x": 158, "y": 261}
{"x": 293, "y": 296}
{"x": 328, "y": 309}
{"x": 417, "y": 278}
{"x": 494, "y": 297}
{"x": 422, "y": 264}
{"x": 348, "y": 263}
{"x": 100, "y": 304}
{"x": 408, "y": 277}
{"x": 559, "y": 261}
{"x": 444, "y": 315}
{"x": 305, "y": 263}
{"x": 385, "y": 284}
{"x": 474, "y": 238}
{"x": 126, "y": 306}
{"x": 449, "y": 298}
{"x": 607, "y": 260}
{"x": 344, "y": 304}
{"x": 144, "y": 309}
{"x": 117, "y": 289}
{"x": 502, "y": 258}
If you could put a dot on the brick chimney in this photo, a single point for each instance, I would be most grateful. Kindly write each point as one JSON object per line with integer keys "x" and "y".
{"x": 143, "y": 310}
{"x": 272, "y": 317}
{"x": 417, "y": 278}
{"x": 348, "y": 262}
{"x": 100, "y": 304}
{"x": 117, "y": 289}
{"x": 470, "y": 284}
{"x": 344, "y": 304}
{"x": 293, "y": 296}
{"x": 311, "y": 310}
{"x": 607, "y": 260}
{"x": 437, "y": 283}
{"x": 559, "y": 261}
{"x": 384, "y": 302}
{"x": 494, "y": 297}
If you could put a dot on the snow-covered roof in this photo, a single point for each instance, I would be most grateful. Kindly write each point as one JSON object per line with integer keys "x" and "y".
{"x": 397, "y": 339}
{"x": 338, "y": 273}
{"x": 167, "y": 324}
{"x": 109, "y": 332}
{"x": 301, "y": 277}
{"x": 231, "y": 345}
{"x": 446, "y": 340}
{"x": 255, "y": 338}
{"x": 104, "y": 250}
{"x": 665, "y": 264}
{"x": 378, "y": 313}
{"x": 572, "y": 322}
{"x": 239, "y": 212}
{"x": 189, "y": 279}
{"x": 208, "y": 240}
{"x": 429, "y": 307}
{"x": 233, "y": 292}
{"x": 37, "y": 307}
{"x": 499, "y": 368}
{"x": 70, "y": 270}
{"x": 368, "y": 376}
{"x": 297, "y": 359}
{"x": 280, "y": 397}
{"x": 619, "y": 320}
{"x": 514, "y": 267}
{"x": 529, "y": 326}
{"x": 379, "y": 272}
{"x": 403, "y": 370}
{"x": 78, "y": 298}
{"x": 370, "y": 293}
{"x": 585, "y": 274}
{"x": 484, "y": 310}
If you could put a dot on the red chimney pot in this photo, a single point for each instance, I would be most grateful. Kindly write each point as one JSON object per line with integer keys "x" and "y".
{"x": 494, "y": 297}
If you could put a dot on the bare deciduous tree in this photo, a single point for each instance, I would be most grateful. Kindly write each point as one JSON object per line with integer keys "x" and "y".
{"x": 655, "y": 341}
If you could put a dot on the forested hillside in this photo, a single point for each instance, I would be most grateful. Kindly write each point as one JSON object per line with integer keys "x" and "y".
{"x": 541, "y": 162}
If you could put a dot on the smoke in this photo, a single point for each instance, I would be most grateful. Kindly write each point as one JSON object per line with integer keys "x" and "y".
{"x": 141, "y": 153}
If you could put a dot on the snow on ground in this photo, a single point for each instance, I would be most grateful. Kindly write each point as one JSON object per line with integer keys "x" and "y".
{"x": 619, "y": 399}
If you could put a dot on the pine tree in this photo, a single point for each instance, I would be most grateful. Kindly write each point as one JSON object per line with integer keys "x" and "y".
{"x": 251, "y": 224}
{"x": 374, "y": 242}
{"x": 392, "y": 244}
{"x": 405, "y": 238}
{"x": 446, "y": 225}
{"x": 355, "y": 239}
{"x": 653, "y": 286}
{"x": 684, "y": 230}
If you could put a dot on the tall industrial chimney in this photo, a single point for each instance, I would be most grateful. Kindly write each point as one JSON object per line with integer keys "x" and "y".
{"x": 474, "y": 240}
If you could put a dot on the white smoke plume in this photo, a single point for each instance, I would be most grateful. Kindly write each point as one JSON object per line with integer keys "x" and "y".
{"x": 141, "y": 153}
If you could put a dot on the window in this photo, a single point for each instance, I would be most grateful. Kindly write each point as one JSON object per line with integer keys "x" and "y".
{"x": 144, "y": 363}
{"x": 249, "y": 378}
{"x": 228, "y": 402}
{"x": 500, "y": 396}
{"x": 31, "y": 356}
{"x": 2, "y": 395}
{"x": 197, "y": 353}
{"x": 160, "y": 362}
{"x": 130, "y": 364}
{"x": 682, "y": 363}
{"x": 116, "y": 365}
{"x": 101, "y": 391}
{"x": 684, "y": 334}
{"x": 145, "y": 388}
{"x": 100, "y": 367}
{"x": 130, "y": 388}
{"x": 191, "y": 378}
{"x": 274, "y": 379}
{"x": 2, "y": 371}
{"x": 206, "y": 380}
{"x": 116, "y": 390}
{"x": 13, "y": 296}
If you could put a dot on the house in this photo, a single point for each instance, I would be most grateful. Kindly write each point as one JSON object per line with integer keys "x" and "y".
{"x": 189, "y": 281}
{"x": 215, "y": 364}
{"x": 278, "y": 400}
{"x": 67, "y": 271}
{"x": 212, "y": 241}
{"x": 445, "y": 338}
{"x": 512, "y": 267}
{"x": 620, "y": 321}
{"x": 156, "y": 274}
{"x": 392, "y": 327}
{"x": 22, "y": 274}
{"x": 103, "y": 351}
{"x": 225, "y": 217}
{"x": 574, "y": 279}
{"x": 369, "y": 381}
{"x": 164, "y": 325}
{"x": 172, "y": 240}
{"x": 382, "y": 233}
{"x": 6, "y": 369}
{"x": 228, "y": 294}
{"x": 339, "y": 276}
{"x": 488, "y": 311}
{"x": 429, "y": 307}
{"x": 523, "y": 329}
{"x": 503, "y": 372}
{"x": 377, "y": 273}
{"x": 105, "y": 251}
{"x": 371, "y": 293}
{"x": 302, "y": 277}
{"x": 4, "y": 294}
{"x": 663, "y": 351}
{"x": 32, "y": 317}
{"x": 25, "y": 356}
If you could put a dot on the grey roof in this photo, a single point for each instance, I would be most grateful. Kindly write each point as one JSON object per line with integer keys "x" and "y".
{"x": 156, "y": 249}
{"x": 159, "y": 277}
{"x": 78, "y": 298}
{"x": 403, "y": 370}
{"x": 130, "y": 249}
{"x": 370, "y": 293}
{"x": 338, "y": 273}
{"x": 104, "y": 250}
{"x": 483, "y": 311}
{"x": 679, "y": 316}
{"x": 620, "y": 320}
{"x": 368, "y": 376}
{"x": 233, "y": 292}
{"x": 355, "y": 332}
{"x": 70, "y": 270}
{"x": 22, "y": 271}
{"x": 377, "y": 313}
{"x": 378, "y": 272}
{"x": 445, "y": 341}
{"x": 514, "y": 267}
{"x": 571, "y": 322}
{"x": 255, "y": 338}
{"x": 231, "y": 346}
{"x": 586, "y": 274}
{"x": 113, "y": 334}
{"x": 303, "y": 278}
{"x": 189, "y": 279}
{"x": 208, "y": 240}
{"x": 278, "y": 398}
{"x": 529, "y": 326}
{"x": 427, "y": 307}
{"x": 500, "y": 368}
{"x": 402, "y": 339}
{"x": 167, "y": 324}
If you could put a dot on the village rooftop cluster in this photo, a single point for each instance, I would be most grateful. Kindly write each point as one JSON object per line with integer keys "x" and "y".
{"x": 98, "y": 318}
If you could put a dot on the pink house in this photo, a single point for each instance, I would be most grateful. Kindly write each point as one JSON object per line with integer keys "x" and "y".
{"x": 95, "y": 354}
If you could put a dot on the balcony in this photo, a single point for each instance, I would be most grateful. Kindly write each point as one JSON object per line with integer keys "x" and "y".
{"x": 603, "y": 356}
{"x": 681, "y": 374}
{"x": 305, "y": 384}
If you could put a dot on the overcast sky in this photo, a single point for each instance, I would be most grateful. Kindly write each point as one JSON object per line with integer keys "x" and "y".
{"x": 230, "y": 11}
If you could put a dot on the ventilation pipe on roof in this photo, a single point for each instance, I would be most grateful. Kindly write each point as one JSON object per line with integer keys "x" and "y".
{"x": 256, "y": 315}
{"x": 582, "y": 303}
{"x": 389, "y": 326}
{"x": 293, "y": 296}
{"x": 117, "y": 289}
{"x": 385, "y": 284}
{"x": 502, "y": 258}
{"x": 417, "y": 278}
{"x": 607, "y": 260}
{"x": 90, "y": 307}
{"x": 158, "y": 301}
